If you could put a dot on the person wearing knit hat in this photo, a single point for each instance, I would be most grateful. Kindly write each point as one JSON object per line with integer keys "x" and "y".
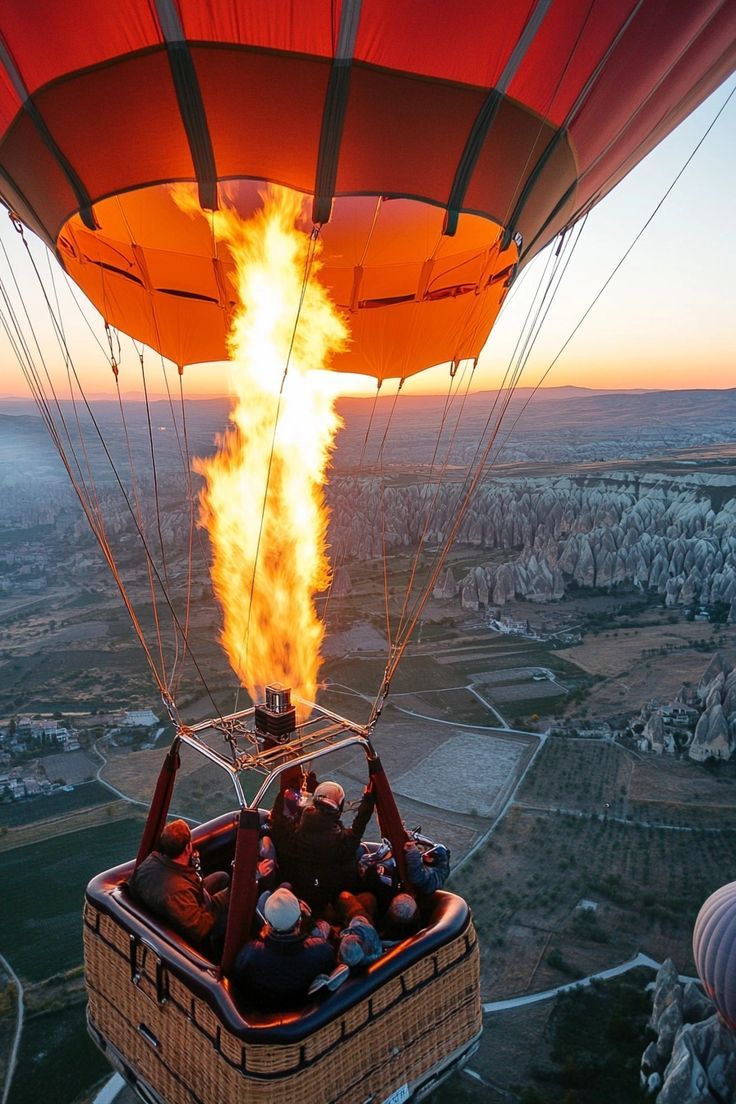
{"x": 359, "y": 942}
{"x": 281, "y": 910}
{"x": 279, "y": 967}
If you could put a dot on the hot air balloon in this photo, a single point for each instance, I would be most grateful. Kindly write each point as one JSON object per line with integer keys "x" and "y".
{"x": 714, "y": 951}
{"x": 441, "y": 146}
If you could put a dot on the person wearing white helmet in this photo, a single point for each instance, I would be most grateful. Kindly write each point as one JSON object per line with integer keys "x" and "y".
{"x": 317, "y": 853}
{"x": 279, "y": 967}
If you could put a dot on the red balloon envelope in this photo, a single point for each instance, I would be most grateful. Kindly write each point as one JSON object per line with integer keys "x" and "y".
{"x": 714, "y": 949}
{"x": 507, "y": 121}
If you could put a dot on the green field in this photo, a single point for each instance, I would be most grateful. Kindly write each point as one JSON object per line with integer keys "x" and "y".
{"x": 34, "y": 809}
{"x": 43, "y": 891}
{"x": 57, "y": 1061}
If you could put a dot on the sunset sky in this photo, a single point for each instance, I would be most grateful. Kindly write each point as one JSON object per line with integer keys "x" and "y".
{"x": 665, "y": 321}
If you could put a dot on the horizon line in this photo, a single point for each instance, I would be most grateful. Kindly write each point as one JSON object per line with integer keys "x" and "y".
{"x": 139, "y": 396}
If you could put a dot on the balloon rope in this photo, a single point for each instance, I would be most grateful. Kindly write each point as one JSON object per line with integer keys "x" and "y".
{"x": 429, "y": 513}
{"x": 341, "y": 556}
{"x": 35, "y": 384}
{"x": 526, "y": 349}
{"x": 470, "y": 485}
{"x": 382, "y": 508}
{"x": 635, "y": 240}
{"x": 139, "y": 514}
{"x": 100, "y": 534}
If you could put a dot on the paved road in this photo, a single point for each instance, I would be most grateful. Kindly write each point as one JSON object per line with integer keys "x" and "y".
{"x": 547, "y": 994}
{"x": 126, "y": 797}
{"x": 18, "y": 1029}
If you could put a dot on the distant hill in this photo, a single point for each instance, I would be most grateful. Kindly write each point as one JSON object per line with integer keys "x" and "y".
{"x": 552, "y": 424}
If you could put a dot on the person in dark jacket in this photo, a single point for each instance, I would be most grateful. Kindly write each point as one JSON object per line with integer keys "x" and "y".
{"x": 278, "y": 968}
{"x": 168, "y": 883}
{"x": 429, "y": 870}
{"x": 317, "y": 853}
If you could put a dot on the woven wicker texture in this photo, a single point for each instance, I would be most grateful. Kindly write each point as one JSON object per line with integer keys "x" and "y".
{"x": 395, "y": 1036}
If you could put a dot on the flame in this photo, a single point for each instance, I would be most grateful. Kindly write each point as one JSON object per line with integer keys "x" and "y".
{"x": 263, "y": 501}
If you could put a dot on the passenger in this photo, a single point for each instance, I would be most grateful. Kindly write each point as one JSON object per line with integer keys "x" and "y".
{"x": 317, "y": 853}
{"x": 279, "y": 967}
{"x": 168, "y": 882}
{"x": 359, "y": 943}
{"x": 429, "y": 870}
{"x": 402, "y": 919}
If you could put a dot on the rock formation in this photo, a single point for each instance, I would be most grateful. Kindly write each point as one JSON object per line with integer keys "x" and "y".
{"x": 715, "y": 732}
{"x": 674, "y": 535}
{"x": 693, "y": 1059}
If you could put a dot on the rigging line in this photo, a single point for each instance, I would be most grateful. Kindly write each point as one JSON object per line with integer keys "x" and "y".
{"x": 136, "y": 499}
{"x": 31, "y": 376}
{"x": 156, "y": 498}
{"x": 470, "y": 488}
{"x": 41, "y": 357}
{"x": 126, "y": 499}
{"x": 187, "y": 477}
{"x": 625, "y": 255}
{"x": 89, "y": 502}
{"x": 192, "y": 525}
{"x": 374, "y": 221}
{"x": 66, "y": 356}
{"x": 610, "y": 276}
{"x": 428, "y": 513}
{"x": 382, "y": 508}
{"x": 534, "y": 324}
{"x": 73, "y": 290}
{"x": 509, "y": 381}
{"x": 342, "y": 552}
{"x": 635, "y": 240}
{"x": 533, "y": 391}
{"x": 308, "y": 262}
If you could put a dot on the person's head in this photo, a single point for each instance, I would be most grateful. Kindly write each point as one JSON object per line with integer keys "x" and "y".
{"x": 351, "y": 951}
{"x": 175, "y": 840}
{"x": 329, "y": 795}
{"x": 402, "y": 913}
{"x": 282, "y": 911}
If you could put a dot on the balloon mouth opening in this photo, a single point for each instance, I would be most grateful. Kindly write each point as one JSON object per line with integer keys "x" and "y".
{"x": 161, "y": 274}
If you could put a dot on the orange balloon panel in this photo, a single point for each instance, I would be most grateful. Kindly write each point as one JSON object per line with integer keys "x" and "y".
{"x": 413, "y": 296}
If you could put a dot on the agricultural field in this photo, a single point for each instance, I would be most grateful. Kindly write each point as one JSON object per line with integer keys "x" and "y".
{"x": 629, "y": 666}
{"x": 603, "y": 778}
{"x": 647, "y": 885}
{"x": 43, "y": 893}
{"x": 590, "y": 776}
{"x": 57, "y": 1060}
{"x": 16, "y": 813}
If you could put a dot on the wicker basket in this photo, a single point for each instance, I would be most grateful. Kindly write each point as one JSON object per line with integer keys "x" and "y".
{"x": 395, "y": 1031}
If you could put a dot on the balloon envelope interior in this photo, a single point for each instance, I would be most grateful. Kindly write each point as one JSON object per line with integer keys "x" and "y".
{"x": 412, "y": 296}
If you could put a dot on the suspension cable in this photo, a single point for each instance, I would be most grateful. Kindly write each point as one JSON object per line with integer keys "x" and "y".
{"x": 106, "y": 550}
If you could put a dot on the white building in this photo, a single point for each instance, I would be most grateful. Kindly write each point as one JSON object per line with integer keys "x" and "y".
{"x": 140, "y": 718}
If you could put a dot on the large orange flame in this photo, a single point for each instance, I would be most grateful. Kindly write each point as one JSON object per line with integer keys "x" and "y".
{"x": 263, "y": 503}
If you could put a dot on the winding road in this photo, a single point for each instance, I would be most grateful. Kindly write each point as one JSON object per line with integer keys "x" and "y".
{"x": 18, "y": 1029}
